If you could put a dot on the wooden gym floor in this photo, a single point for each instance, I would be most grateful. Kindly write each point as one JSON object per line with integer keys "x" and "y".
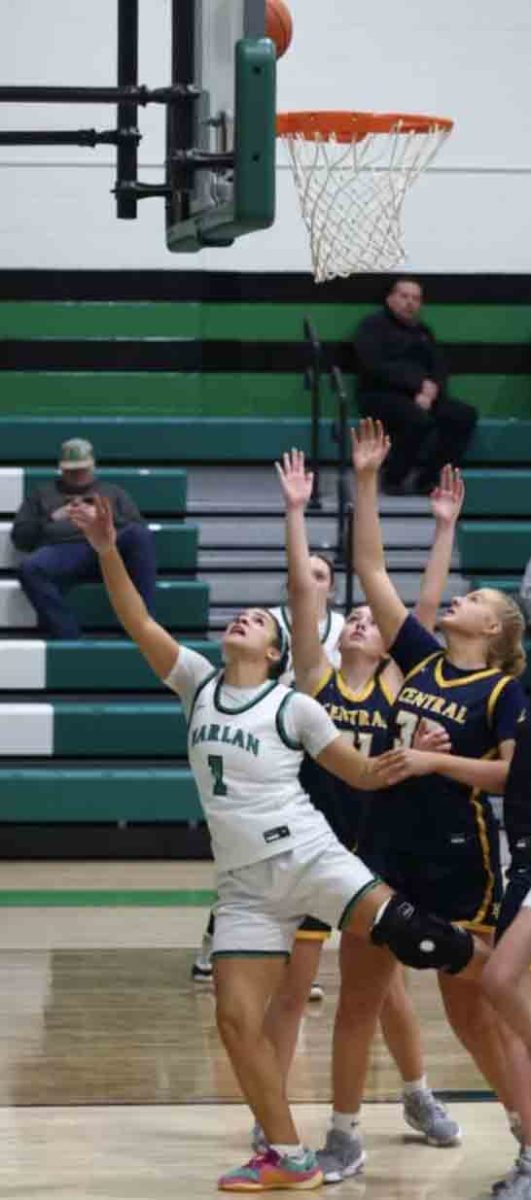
{"x": 113, "y": 1084}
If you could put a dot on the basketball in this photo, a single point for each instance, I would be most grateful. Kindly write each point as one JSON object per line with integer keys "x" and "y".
{"x": 279, "y": 26}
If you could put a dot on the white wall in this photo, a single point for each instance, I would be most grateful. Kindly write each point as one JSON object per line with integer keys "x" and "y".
{"x": 468, "y": 59}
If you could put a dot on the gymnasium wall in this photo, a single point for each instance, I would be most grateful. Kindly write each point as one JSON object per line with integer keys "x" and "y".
{"x": 465, "y": 60}
{"x": 226, "y": 344}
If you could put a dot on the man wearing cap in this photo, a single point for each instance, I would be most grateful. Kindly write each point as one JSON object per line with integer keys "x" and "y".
{"x": 59, "y": 555}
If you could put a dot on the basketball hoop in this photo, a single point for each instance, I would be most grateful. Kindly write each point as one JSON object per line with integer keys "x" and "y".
{"x": 352, "y": 171}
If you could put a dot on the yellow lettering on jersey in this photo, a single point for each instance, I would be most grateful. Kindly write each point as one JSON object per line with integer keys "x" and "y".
{"x": 455, "y": 712}
{"x": 436, "y": 704}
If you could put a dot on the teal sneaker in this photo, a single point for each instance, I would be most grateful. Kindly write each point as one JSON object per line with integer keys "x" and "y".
{"x": 270, "y": 1171}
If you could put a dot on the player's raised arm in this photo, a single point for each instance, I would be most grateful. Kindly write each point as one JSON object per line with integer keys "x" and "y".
{"x": 446, "y": 504}
{"x": 370, "y": 447}
{"x": 309, "y": 659}
{"x": 155, "y": 643}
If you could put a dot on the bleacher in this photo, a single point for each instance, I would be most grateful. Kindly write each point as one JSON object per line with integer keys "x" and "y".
{"x": 88, "y": 736}
{"x": 163, "y": 371}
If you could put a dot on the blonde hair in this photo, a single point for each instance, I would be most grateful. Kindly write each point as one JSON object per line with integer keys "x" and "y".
{"x": 506, "y": 650}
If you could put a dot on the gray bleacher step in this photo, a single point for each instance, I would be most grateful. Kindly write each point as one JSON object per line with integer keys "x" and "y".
{"x": 241, "y": 588}
{"x": 263, "y": 559}
{"x": 268, "y": 531}
{"x": 220, "y": 488}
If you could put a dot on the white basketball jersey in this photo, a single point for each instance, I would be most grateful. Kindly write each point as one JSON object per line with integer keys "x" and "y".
{"x": 329, "y": 635}
{"x": 247, "y": 772}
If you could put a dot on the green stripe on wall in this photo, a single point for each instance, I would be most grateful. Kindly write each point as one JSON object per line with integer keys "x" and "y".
{"x": 253, "y": 322}
{"x": 216, "y": 395}
{"x": 107, "y": 899}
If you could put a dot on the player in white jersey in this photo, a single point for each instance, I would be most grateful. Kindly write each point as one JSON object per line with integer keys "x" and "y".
{"x": 330, "y": 625}
{"x": 276, "y": 857}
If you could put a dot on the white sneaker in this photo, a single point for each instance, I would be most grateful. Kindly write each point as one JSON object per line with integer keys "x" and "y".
{"x": 202, "y": 964}
{"x": 316, "y": 992}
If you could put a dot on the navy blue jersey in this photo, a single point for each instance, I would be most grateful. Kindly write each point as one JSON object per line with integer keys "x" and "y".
{"x": 517, "y": 799}
{"x": 364, "y": 716}
{"x": 479, "y": 709}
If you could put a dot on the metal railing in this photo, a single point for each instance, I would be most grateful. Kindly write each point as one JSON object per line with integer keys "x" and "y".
{"x": 312, "y": 382}
{"x": 341, "y": 435}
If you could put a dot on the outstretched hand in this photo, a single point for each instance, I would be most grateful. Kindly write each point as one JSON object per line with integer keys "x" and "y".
{"x": 447, "y": 498}
{"x": 370, "y": 446}
{"x": 296, "y": 482}
{"x": 96, "y": 522}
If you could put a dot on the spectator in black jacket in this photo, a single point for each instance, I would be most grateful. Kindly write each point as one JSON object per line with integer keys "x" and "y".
{"x": 402, "y": 382}
{"x": 59, "y": 555}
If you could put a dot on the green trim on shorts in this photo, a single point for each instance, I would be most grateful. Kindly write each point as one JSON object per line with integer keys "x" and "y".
{"x": 347, "y": 912}
{"x": 251, "y": 954}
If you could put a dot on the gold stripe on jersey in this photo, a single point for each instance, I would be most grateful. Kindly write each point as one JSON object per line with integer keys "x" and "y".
{"x": 493, "y": 698}
{"x": 474, "y": 927}
{"x": 323, "y": 681}
{"x": 386, "y": 690}
{"x": 474, "y": 676}
{"x": 363, "y": 693}
{"x": 421, "y": 665}
{"x": 484, "y": 844}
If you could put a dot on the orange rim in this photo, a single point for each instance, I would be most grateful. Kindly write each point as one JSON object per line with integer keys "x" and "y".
{"x": 353, "y": 126}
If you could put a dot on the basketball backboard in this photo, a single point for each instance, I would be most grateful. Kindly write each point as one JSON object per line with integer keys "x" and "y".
{"x": 219, "y": 46}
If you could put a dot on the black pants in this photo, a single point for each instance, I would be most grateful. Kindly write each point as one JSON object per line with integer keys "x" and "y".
{"x": 422, "y": 440}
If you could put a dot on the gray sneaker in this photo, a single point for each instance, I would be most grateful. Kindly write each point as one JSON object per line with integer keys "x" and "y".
{"x": 342, "y": 1155}
{"x": 428, "y": 1116}
{"x": 517, "y": 1184}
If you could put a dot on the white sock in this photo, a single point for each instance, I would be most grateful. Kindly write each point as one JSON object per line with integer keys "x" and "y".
{"x": 416, "y": 1085}
{"x": 346, "y": 1122}
{"x": 289, "y": 1150}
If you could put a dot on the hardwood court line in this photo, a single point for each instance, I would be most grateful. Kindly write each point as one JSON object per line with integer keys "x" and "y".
{"x": 97, "y": 898}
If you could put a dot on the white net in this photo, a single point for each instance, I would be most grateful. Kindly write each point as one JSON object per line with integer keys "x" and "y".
{"x": 351, "y": 195}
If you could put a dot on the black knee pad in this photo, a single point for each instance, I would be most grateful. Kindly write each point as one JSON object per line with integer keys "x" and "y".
{"x": 421, "y": 940}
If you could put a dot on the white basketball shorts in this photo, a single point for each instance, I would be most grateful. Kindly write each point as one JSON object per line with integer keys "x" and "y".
{"x": 260, "y": 907}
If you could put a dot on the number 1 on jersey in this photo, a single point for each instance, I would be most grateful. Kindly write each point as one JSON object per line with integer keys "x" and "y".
{"x": 215, "y": 763}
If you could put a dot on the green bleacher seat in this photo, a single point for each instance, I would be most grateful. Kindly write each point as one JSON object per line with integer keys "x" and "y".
{"x": 160, "y": 490}
{"x": 93, "y": 729}
{"x": 98, "y": 794}
{"x": 504, "y": 583}
{"x": 502, "y": 491}
{"x": 209, "y": 439}
{"x": 494, "y": 545}
{"x": 108, "y": 666}
{"x": 179, "y": 604}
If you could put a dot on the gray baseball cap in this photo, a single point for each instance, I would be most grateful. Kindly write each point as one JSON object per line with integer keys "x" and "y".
{"x": 76, "y": 453}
